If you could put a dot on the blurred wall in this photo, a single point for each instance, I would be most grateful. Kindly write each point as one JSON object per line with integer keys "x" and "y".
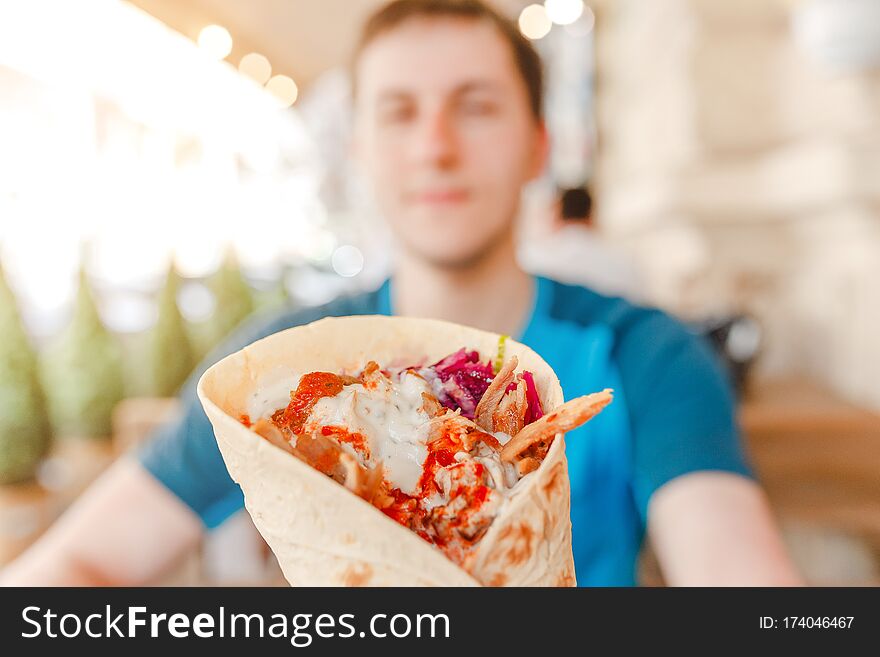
{"x": 745, "y": 176}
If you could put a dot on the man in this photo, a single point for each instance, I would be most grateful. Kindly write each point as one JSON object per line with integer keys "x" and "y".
{"x": 449, "y": 130}
{"x": 568, "y": 247}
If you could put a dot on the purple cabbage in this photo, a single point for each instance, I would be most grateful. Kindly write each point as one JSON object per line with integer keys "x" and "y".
{"x": 534, "y": 409}
{"x": 464, "y": 380}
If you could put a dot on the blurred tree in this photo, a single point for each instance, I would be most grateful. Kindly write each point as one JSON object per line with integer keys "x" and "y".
{"x": 82, "y": 369}
{"x": 273, "y": 297}
{"x": 234, "y": 301}
{"x": 168, "y": 356}
{"x": 25, "y": 430}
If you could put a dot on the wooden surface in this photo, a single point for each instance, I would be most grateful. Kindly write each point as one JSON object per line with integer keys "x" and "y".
{"x": 817, "y": 456}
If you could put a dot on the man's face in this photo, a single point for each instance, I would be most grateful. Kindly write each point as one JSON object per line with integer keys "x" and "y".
{"x": 445, "y": 133}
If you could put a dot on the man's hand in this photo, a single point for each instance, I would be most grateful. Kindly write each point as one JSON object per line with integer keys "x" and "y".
{"x": 716, "y": 529}
{"x": 126, "y": 529}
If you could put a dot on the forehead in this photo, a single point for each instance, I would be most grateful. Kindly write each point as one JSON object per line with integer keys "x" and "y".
{"x": 435, "y": 55}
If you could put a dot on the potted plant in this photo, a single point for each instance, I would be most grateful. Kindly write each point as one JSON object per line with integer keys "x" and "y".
{"x": 25, "y": 434}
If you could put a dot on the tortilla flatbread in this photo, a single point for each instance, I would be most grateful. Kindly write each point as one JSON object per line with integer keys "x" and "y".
{"x": 324, "y": 535}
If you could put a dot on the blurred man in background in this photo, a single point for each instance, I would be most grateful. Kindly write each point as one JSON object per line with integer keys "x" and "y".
{"x": 449, "y": 129}
{"x": 569, "y": 248}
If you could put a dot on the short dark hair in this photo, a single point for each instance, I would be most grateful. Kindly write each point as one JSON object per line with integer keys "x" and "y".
{"x": 527, "y": 59}
{"x": 576, "y": 203}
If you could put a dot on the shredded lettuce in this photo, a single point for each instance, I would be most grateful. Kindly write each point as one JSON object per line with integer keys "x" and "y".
{"x": 499, "y": 356}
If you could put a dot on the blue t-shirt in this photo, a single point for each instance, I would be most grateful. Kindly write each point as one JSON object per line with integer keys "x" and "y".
{"x": 673, "y": 413}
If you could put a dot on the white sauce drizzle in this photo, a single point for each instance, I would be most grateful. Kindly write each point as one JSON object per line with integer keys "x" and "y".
{"x": 390, "y": 418}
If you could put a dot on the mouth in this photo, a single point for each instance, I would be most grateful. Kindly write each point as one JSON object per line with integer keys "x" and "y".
{"x": 440, "y": 197}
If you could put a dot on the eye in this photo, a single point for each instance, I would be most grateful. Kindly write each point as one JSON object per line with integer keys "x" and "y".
{"x": 397, "y": 113}
{"x": 478, "y": 106}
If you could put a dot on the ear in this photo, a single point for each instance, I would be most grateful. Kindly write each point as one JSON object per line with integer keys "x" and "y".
{"x": 541, "y": 152}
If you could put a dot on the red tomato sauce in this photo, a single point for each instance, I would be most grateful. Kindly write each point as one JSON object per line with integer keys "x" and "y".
{"x": 343, "y": 435}
{"x": 408, "y": 509}
{"x": 312, "y": 387}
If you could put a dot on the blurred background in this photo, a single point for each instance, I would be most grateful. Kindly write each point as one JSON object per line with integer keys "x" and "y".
{"x": 169, "y": 167}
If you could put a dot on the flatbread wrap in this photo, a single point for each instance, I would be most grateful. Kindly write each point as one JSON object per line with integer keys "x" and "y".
{"x": 379, "y": 450}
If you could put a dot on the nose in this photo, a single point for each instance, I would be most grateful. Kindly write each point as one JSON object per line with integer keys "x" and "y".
{"x": 436, "y": 140}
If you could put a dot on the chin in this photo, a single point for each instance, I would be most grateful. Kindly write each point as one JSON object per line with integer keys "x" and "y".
{"x": 456, "y": 256}
{"x": 449, "y": 240}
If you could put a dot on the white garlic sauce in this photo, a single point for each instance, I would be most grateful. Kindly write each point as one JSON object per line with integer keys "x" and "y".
{"x": 269, "y": 397}
{"x": 391, "y": 420}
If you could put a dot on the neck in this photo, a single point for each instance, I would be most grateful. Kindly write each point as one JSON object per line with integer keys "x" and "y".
{"x": 492, "y": 294}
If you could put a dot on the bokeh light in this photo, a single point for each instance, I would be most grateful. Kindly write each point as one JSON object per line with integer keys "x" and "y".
{"x": 347, "y": 261}
{"x": 284, "y": 89}
{"x": 584, "y": 25}
{"x": 255, "y": 66}
{"x": 564, "y": 12}
{"x": 534, "y": 23}
{"x": 215, "y": 41}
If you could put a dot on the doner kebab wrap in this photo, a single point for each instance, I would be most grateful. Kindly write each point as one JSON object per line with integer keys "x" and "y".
{"x": 392, "y": 451}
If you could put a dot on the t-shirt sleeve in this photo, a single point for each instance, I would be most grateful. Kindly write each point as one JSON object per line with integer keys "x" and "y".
{"x": 183, "y": 454}
{"x": 681, "y": 406}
